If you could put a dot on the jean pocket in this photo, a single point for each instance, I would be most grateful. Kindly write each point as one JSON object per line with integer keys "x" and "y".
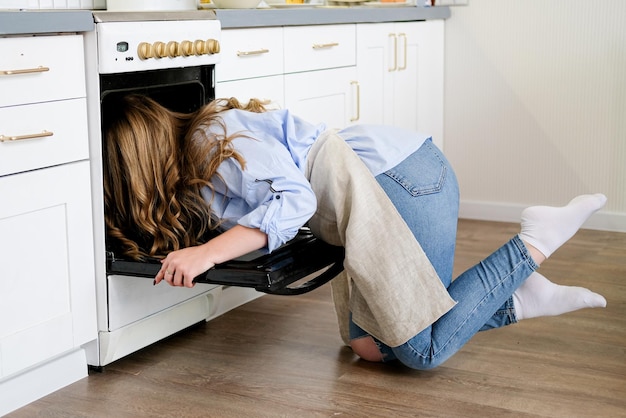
{"x": 421, "y": 173}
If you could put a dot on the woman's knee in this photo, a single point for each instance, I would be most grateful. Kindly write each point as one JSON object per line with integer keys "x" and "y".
{"x": 414, "y": 359}
{"x": 423, "y": 364}
{"x": 366, "y": 348}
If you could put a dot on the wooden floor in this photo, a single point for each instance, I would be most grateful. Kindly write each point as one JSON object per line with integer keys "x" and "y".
{"x": 282, "y": 357}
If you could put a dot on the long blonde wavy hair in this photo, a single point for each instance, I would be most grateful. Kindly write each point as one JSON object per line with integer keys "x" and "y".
{"x": 156, "y": 161}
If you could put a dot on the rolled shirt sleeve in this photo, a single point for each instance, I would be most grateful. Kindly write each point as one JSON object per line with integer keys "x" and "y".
{"x": 271, "y": 194}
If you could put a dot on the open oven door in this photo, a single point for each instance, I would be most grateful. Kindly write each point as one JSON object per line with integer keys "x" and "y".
{"x": 299, "y": 266}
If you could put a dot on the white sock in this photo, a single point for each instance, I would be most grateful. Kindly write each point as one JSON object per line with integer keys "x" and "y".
{"x": 547, "y": 228}
{"x": 538, "y": 296}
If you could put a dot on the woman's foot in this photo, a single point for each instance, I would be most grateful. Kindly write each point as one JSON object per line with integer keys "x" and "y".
{"x": 538, "y": 296}
{"x": 546, "y": 228}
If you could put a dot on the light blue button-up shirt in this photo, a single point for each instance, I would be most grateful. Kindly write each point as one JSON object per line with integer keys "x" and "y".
{"x": 272, "y": 193}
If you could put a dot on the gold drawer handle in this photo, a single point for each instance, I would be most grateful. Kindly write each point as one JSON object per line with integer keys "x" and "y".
{"x": 254, "y": 52}
{"x": 328, "y": 45}
{"x": 39, "y": 69}
{"x": 4, "y": 138}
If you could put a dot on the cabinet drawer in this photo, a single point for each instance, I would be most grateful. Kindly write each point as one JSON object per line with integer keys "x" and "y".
{"x": 269, "y": 89}
{"x": 41, "y": 68}
{"x": 42, "y": 135}
{"x": 250, "y": 53}
{"x": 318, "y": 47}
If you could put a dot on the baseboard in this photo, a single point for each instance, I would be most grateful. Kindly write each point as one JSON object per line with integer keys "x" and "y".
{"x": 113, "y": 345}
{"x": 233, "y": 297}
{"x": 118, "y": 343}
{"x": 35, "y": 383}
{"x": 500, "y": 212}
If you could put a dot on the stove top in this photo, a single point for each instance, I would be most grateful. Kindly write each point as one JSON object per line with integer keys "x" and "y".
{"x": 101, "y": 16}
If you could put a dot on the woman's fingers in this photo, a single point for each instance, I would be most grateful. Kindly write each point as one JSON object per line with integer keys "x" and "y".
{"x": 173, "y": 276}
{"x": 181, "y": 267}
{"x": 170, "y": 277}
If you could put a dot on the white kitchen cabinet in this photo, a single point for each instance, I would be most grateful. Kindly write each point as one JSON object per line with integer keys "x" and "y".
{"x": 400, "y": 73}
{"x": 252, "y": 65}
{"x": 47, "y": 288}
{"x": 41, "y": 69}
{"x": 320, "y": 79}
{"x": 325, "y": 96}
{"x": 310, "y": 70}
{"x": 270, "y": 89}
{"x": 44, "y": 135}
{"x": 372, "y": 73}
{"x": 309, "y": 48}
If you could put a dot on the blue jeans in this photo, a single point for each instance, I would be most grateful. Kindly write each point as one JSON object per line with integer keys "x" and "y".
{"x": 425, "y": 191}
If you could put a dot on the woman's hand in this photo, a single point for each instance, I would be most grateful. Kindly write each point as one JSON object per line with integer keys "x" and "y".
{"x": 180, "y": 267}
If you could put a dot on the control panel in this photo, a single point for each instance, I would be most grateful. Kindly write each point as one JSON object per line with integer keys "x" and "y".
{"x": 141, "y": 46}
{"x": 172, "y": 49}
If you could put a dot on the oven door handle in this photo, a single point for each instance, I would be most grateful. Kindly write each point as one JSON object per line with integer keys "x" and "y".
{"x": 319, "y": 280}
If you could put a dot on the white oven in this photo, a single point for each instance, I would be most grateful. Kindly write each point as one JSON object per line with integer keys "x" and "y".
{"x": 171, "y": 57}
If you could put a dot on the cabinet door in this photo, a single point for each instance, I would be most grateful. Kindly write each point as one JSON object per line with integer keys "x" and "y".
{"x": 326, "y": 96}
{"x": 406, "y": 85}
{"x": 47, "y": 296}
{"x": 376, "y": 52}
{"x": 268, "y": 89}
{"x": 400, "y": 69}
{"x": 387, "y": 61}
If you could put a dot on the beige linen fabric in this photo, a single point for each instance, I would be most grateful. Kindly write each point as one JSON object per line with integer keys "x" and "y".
{"x": 388, "y": 283}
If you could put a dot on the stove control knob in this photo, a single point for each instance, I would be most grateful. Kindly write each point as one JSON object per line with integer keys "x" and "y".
{"x": 186, "y": 48}
{"x": 159, "y": 50}
{"x": 199, "y": 46}
{"x": 172, "y": 49}
{"x": 144, "y": 50}
{"x": 212, "y": 46}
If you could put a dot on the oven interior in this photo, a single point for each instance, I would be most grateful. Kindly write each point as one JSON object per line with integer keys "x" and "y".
{"x": 179, "y": 89}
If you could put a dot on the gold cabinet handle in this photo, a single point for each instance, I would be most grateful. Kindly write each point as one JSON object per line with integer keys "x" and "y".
{"x": 394, "y": 37}
{"x": 402, "y": 37}
{"x": 254, "y": 52}
{"x": 40, "y": 69}
{"x": 358, "y": 101}
{"x": 4, "y": 138}
{"x": 323, "y": 46}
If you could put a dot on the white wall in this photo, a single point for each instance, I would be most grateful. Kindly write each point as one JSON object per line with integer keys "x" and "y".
{"x": 535, "y": 105}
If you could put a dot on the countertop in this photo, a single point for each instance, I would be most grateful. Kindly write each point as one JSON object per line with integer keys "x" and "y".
{"x": 231, "y": 18}
{"x": 17, "y": 22}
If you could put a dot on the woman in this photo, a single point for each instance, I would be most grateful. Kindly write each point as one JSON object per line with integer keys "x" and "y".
{"x": 172, "y": 179}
